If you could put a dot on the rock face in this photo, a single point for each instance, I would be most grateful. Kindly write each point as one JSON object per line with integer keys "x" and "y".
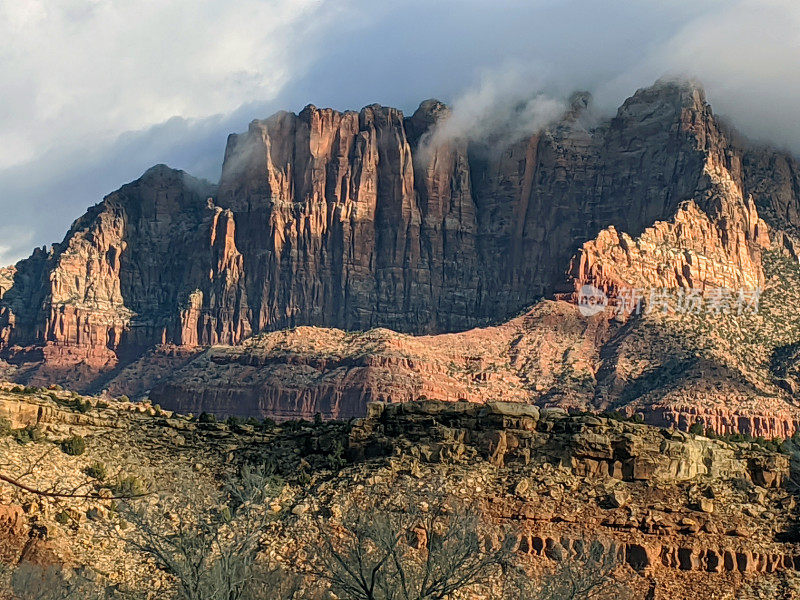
{"x": 686, "y": 516}
{"x": 6, "y": 279}
{"x": 331, "y": 219}
{"x": 354, "y": 221}
{"x": 691, "y": 251}
{"x": 341, "y": 223}
{"x": 666, "y": 501}
{"x": 115, "y": 284}
{"x": 588, "y": 446}
{"x": 307, "y": 370}
{"x": 671, "y": 371}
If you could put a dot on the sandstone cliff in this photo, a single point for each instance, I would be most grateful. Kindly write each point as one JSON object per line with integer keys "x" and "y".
{"x": 328, "y": 218}
{"x": 6, "y": 279}
{"x": 352, "y": 220}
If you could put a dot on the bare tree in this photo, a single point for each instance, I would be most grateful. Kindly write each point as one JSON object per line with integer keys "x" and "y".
{"x": 592, "y": 571}
{"x": 52, "y": 582}
{"x": 209, "y": 540}
{"x": 382, "y": 555}
{"x": 31, "y": 474}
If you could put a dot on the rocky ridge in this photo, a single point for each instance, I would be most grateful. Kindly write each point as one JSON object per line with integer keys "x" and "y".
{"x": 728, "y": 373}
{"x": 690, "y": 514}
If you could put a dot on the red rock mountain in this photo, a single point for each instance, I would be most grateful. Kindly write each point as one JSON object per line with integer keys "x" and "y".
{"x": 351, "y": 221}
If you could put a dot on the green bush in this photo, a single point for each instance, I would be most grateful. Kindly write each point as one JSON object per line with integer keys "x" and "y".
{"x": 97, "y": 470}
{"x": 129, "y": 486}
{"x": 62, "y": 517}
{"x": 27, "y": 390}
{"x": 616, "y": 415}
{"x": 124, "y": 398}
{"x": 5, "y": 427}
{"x": 697, "y": 428}
{"x": 336, "y": 459}
{"x": 207, "y": 418}
{"x": 82, "y": 406}
{"x": 31, "y": 433}
{"x": 74, "y": 446}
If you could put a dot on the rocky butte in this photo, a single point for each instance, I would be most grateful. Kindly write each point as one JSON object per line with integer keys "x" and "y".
{"x": 250, "y": 296}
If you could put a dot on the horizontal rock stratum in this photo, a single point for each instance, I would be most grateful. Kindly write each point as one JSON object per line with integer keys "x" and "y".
{"x": 354, "y": 220}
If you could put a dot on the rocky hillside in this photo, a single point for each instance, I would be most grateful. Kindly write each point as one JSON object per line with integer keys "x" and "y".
{"x": 355, "y": 221}
{"x": 726, "y": 372}
{"x": 688, "y": 515}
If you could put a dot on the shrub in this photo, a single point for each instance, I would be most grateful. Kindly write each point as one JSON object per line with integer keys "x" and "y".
{"x": 33, "y": 582}
{"x": 97, "y": 470}
{"x": 294, "y": 424}
{"x": 74, "y": 446}
{"x": 5, "y": 427}
{"x": 27, "y": 390}
{"x": 31, "y": 433}
{"x": 82, "y": 406}
{"x": 124, "y": 398}
{"x": 129, "y": 486}
{"x": 336, "y": 459}
{"x": 372, "y": 550}
{"x": 62, "y": 517}
{"x": 616, "y": 415}
{"x": 207, "y": 418}
{"x": 697, "y": 428}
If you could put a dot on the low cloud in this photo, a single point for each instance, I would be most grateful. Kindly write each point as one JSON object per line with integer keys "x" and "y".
{"x": 507, "y": 105}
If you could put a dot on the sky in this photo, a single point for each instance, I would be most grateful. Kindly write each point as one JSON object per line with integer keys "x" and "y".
{"x": 93, "y": 92}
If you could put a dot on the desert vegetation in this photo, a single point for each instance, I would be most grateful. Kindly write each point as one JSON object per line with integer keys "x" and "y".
{"x": 208, "y": 543}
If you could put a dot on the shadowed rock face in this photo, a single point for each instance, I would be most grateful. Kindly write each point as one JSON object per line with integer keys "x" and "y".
{"x": 116, "y": 281}
{"x": 349, "y": 220}
{"x": 328, "y": 218}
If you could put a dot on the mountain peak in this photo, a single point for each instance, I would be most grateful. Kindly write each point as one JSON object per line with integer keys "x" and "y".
{"x": 426, "y": 115}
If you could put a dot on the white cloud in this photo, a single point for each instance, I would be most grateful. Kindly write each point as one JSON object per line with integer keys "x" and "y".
{"x": 93, "y": 69}
{"x": 747, "y": 55}
{"x": 506, "y": 105}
